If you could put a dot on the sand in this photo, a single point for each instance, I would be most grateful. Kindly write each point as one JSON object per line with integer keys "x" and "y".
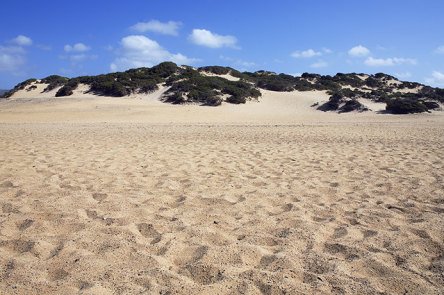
{"x": 132, "y": 196}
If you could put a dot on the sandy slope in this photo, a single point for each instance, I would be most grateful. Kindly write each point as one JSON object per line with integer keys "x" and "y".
{"x": 131, "y": 196}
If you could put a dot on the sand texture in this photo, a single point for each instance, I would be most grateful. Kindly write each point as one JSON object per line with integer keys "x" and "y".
{"x": 115, "y": 196}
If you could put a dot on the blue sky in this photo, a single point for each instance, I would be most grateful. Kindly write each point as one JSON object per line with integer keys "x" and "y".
{"x": 404, "y": 38}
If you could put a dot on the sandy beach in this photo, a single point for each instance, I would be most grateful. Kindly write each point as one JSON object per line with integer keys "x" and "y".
{"x": 133, "y": 196}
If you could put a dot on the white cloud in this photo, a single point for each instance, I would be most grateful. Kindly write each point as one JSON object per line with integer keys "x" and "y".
{"x": 206, "y": 38}
{"x": 306, "y": 53}
{"x": 13, "y": 55}
{"x": 440, "y": 50}
{"x": 403, "y": 75}
{"x": 76, "y": 58}
{"x": 359, "y": 51}
{"x": 11, "y": 58}
{"x": 21, "y": 40}
{"x": 77, "y": 53}
{"x": 327, "y": 50}
{"x": 319, "y": 64}
{"x": 437, "y": 79}
{"x": 168, "y": 28}
{"x": 389, "y": 62}
{"x": 78, "y": 47}
{"x": 140, "y": 51}
{"x": 237, "y": 63}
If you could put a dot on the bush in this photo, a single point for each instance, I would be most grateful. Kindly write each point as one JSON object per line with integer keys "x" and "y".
{"x": 352, "y": 105}
{"x": 218, "y": 70}
{"x": 431, "y": 105}
{"x": 175, "y": 98}
{"x": 53, "y": 82}
{"x": 332, "y": 104}
{"x": 64, "y": 91}
{"x": 372, "y": 82}
{"x": 405, "y": 106}
{"x": 148, "y": 86}
{"x": 109, "y": 88}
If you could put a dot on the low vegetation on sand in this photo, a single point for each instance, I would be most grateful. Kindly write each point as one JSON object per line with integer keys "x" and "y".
{"x": 209, "y": 86}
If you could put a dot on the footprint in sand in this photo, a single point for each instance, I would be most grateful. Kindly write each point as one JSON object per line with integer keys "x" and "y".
{"x": 6, "y": 184}
{"x": 348, "y": 253}
{"x": 369, "y": 233}
{"x": 25, "y": 224}
{"x": 99, "y": 196}
{"x": 149, "y": 232}
{"x": 340, "y": 232}
{"x": 22, "y": 246}
{"x": 9, "y": 208}
{"x": 56, "y": 250}
{"x": 57, "y": 274}
{"x": 204, "y": 274}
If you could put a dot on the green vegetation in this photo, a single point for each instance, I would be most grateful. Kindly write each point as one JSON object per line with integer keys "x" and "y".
{"x": 342, "y": 103}
{"x": 405, "y": 106}
{"x": 189, "y": 85}
{"x": 53, "y": 82}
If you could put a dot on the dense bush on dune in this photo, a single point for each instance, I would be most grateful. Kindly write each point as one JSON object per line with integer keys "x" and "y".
{"x": 406, "y": 106}
{"x": 341, "y": 103}
{"x": 53, "y": 82}
{"x": 190, "y": 85}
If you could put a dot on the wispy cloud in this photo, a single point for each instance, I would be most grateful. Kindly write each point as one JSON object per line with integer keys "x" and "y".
{"x": 76, "y": 58}
{"x": 437, "y": 79}
{"x": 440, "y": 50}
{"x": 309, "y": 53}
{"x": 209, "y": 39}
{"x": 236, "y": 62}
{"x": 13, "y": 55}
{"x": 11, "y": 58}
{"x": 22, "y": 40}
{"x": 78, "y": 53}
{"x": 403, "y": 75}
{"x": 319, "y": 64}
{"x": 78, "y": 47}
{"x": 167, "y": 28}
{"x": 140, "y": 51}
{"x": 359, "y": 51}
{"x": 389, "y": 62}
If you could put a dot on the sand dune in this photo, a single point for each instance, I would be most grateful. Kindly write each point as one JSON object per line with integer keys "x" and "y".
{"x": 132, "y": 196}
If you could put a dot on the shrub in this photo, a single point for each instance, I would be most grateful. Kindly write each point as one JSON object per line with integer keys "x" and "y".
{"x": 218, "y": 70}
{"x": 405, "y": 106}
{"x": 352, "y": 105}
{"x": 372, "y": 82}
{"x": 332, "y": 104}
{"x": 109, "y": 88}
{"x": 348, "y": 79}
{"x": 147, "y": 86}
{"x": 431, "y": 105}
{"x": 53, "y": 82}
{"x": 64, "y": 91}
{"x": 175, "y": 98}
